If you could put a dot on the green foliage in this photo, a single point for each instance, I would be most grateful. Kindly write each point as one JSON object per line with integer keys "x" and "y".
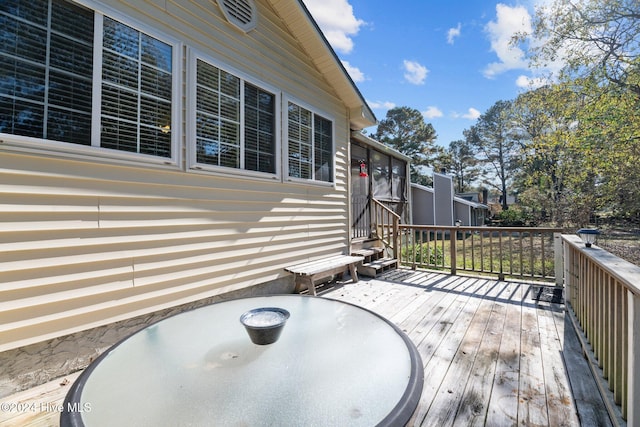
{"x": 424, "y": 254}
{"x": 597, "y": 39}
{"x": 460, "y": 161}
{"x": 405, "y": 130}
{"x": 549, "y": 164}
{"x": 496, "y": 142}
{"x": 584, "y": 157}
{"x": 582, "y": 146}
{"x": 514, "y": 217}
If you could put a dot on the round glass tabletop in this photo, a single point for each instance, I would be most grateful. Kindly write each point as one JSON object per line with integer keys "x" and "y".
{"x": 333, "y": 364}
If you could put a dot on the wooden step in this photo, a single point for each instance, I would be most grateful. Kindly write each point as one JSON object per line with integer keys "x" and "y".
{"x": 373, "y": 268}
{"x": 367, "y": 252}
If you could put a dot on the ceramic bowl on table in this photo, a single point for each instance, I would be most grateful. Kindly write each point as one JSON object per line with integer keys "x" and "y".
{"x": 264, "y": 325}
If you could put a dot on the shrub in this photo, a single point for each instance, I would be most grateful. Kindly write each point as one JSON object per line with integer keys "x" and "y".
{"x": 424, "y": 254}
{"x": 514, "y": 217}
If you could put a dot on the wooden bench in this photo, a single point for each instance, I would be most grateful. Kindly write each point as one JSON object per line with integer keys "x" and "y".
{"x": 311, "y": 271}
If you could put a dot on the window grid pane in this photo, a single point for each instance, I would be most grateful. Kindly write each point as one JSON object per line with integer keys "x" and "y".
{"x": 207, "y": 151}
{"x": 119, "y": 135}
{"x": 323, "y": 149}
{"x": 398, "y": 178}
{"x": 154, "y": 141}
{"x": 310, "y": 145}
{"x": 23, "y": 40}
{"x": 207, "y": 101}
{"x": 119, "y": 104}
{"x": 259, "y": 128}
{"x": 32, "y": 11}
{"x": 54, "y": 105}
{"x": 156, "y": 83}
{"x": 218, "y": 117}
{"x": 69, "y": 126}
{"x": 63, "y": 13}
{"x": 30, "y": 83}
{"x": 21, "y": 118}
{"x": 119, "y": 70}
{"x": 156, "y": 53}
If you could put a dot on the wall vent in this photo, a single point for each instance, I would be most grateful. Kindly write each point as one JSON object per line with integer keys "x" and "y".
{"x": 241, "y": 13}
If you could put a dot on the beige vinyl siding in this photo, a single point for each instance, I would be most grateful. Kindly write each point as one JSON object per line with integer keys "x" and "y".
{"x": 85, "y": 242}
{"x": 80, "y": 250}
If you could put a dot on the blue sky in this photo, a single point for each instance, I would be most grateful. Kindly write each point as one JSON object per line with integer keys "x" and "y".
{"x": 449, "y": 59}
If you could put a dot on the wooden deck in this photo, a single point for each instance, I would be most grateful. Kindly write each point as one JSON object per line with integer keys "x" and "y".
{"x": 492, "y": 355}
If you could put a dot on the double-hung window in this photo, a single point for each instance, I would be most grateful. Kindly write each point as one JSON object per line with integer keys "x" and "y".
{"x": 310, "y": 145}
{"x": 235, "y": 122}
{"x": 77, "y": 79}
{"x": 74, "y": 75}
{"x": 136, "y": 91}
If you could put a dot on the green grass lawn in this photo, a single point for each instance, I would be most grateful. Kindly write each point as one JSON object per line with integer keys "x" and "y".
{"x": 519, "y": 255}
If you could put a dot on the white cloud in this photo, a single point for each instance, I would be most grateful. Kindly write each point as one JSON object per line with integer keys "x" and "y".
{"x": 453, "y": 33}
{"x": 472, "y": 114}
{"x": 432, "y": 112}
{"x": 415, "y": 73}
{"x": 355, "y": 73}
{"x": 337, "y": 22}
{"x": 381, "y": 105}
{"x": 527, "y": 82}
{"x": 509, "y": 21}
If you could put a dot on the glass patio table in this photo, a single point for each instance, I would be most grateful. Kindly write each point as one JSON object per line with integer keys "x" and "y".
{"x": 335, "y": 364}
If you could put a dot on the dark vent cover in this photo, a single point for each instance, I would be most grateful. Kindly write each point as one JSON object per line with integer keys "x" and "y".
{"x": 241, "y": 13}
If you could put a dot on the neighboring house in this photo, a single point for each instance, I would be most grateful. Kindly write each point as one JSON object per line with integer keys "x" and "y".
{"x": 474, "y": 207}
{"x": 156, "y": 154}
{"x": 469, "y": 212}
{"x": 440, "y": 206}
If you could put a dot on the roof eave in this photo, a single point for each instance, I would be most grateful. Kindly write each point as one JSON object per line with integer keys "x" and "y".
{"x": 308, "y": 33}
{"x": 379, "y": 146}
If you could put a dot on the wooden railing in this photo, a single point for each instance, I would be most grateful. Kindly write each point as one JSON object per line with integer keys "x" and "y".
{"x": 520, "y": 252}
{"x": 602, "y": 293}
{"x": 386, "y": 225}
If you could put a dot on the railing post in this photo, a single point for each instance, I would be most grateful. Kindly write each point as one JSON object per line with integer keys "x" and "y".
{"x": 387, "y": 227}
{"x": 396, "y": 239}
{"x": 633, "y": 367}
{"x": 557, "y": 258}
{"x": 569, "y": 270}
{"x": 453, "y": 238}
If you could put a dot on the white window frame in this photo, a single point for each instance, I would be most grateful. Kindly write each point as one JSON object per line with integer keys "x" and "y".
{"x": 285, "y": 142}
{"x": 191, "y": 132}
{"x": 95, "y": 151}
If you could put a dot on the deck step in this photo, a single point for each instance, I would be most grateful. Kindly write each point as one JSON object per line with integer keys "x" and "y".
{"x": 373, "y": 268}
{"x": 367, "y": 252}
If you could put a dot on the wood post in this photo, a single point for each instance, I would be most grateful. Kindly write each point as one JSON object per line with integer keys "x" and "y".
{"x": 453, "y": 238}
{"x": 633, "y": 367}
{"x": 557, "y": 259}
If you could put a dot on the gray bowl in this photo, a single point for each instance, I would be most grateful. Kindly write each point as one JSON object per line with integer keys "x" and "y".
{"x": 264, "y": 325}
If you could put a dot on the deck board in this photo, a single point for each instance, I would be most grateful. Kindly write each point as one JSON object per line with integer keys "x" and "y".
{"x": 503, "y": 405}
{"x": 492, "y": 355}
{"x": 532, "y": 404}
{"x": 478, "y": 389}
